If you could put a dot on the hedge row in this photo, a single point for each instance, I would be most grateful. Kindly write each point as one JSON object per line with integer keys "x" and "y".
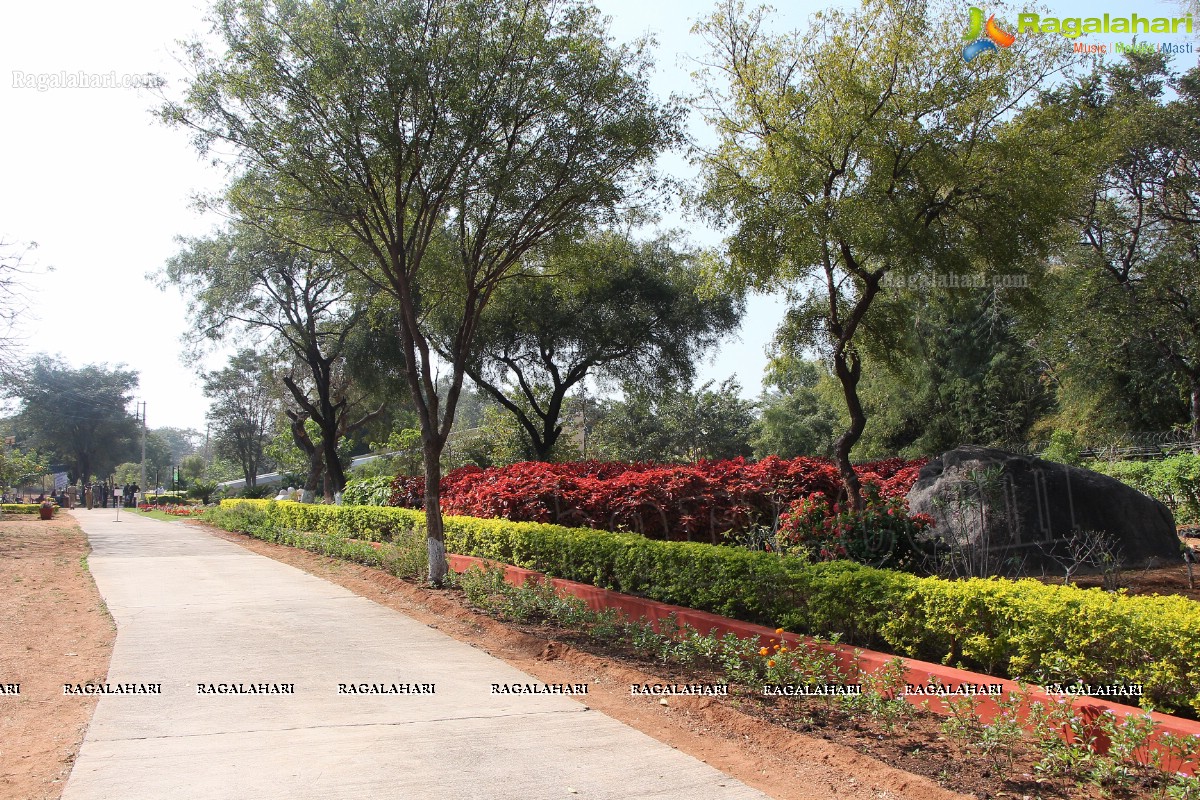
{"x": 1019, "y": 629}
{"x": 694, "y": 502}
{"x": 20, "y": 508}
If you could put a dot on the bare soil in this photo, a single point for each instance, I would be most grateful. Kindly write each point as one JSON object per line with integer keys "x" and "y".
{"x": 1160, "y": 580}
{"x": 789, "y": 748}
{"x": 56, "y": 630}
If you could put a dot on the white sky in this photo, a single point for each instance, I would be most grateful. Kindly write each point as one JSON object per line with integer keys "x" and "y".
{"x": 103, "y": 188}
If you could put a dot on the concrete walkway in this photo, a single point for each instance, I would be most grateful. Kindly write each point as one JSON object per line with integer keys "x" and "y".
{"x": 193, "y": 610}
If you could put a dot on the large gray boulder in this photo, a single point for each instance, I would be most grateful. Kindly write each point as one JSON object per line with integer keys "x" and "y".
{"x": 1002, "y": 513}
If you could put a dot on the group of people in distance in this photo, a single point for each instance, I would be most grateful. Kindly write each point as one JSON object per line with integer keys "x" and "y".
{"x": 94, "y": 495}
{"x": 104, "y": 494}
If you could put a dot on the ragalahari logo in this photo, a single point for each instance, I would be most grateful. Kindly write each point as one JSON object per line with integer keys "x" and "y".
{"x": 991, "y": 35}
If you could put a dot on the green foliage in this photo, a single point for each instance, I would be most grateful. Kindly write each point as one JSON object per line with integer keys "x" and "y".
{"x": 1063, "y": 448}
{"x": 1174, "y": 481}
{"x": 241, "y": 280}
{"x": 710, "y": 422}
{"x": 406, "y": 444}
{"x": 481, "y": 129}
{"x": 795, "y": 419}
{"x": 257, "y": 492}
{"x": 129, "y": 472}
{"x": 860, "y": 154}
{"x": 17, "y": 467}
{"x": 202, "y": 490}
{"x": 1022, "y": 629}
{"x": 19, "y": 508}
{"x": 78, "y": 416}
{"x": 602, "y": 305}
{"x": 963, "y": 373}
{"x": 368, "y": 491}
{"x": 404, "y": 555}
{"x": 1135, "y": 268}
{"x": 242, "y": 410}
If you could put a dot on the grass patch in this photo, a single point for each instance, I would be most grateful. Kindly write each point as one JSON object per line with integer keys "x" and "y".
{"x": 162, "y": 515}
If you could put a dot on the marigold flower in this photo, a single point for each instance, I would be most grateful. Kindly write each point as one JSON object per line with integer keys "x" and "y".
{"x": 779, "y": 630}
{"x": 770, "y": 663}
{"x": 762, "y": 651}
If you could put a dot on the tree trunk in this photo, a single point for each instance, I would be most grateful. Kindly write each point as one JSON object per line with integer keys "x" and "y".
{"x": 435, "y": 537}
{"x": 848, "y": 374}
{"x": 316, "y": 466}
{"x": 543, "y": 445}
{"x": 1196, "y": 412}
{"x": 336, "y": 476}
{"x": 316, "y": 460}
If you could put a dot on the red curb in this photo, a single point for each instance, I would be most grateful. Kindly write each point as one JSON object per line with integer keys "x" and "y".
{"x": 920, "y": 673}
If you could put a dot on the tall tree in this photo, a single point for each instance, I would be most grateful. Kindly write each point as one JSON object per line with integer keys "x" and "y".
{"x": 243, "y": 410}
{"x": 78, "y": 416}
{"x": 1141, "y": 224}
{"x": 436, "y": 143}
{"x": 964, "y": 373}
{"x": 14, "y": 277}
{"x": 794, "y": 419}
{"x": 866, "y": 148}
{"x": 688, "y": 424}
{"x": 603, "y": 305}
{"x": 240, "y": 281}
{"x": 180, "y": 442}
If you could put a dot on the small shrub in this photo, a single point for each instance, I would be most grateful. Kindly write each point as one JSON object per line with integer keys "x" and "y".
{"x": 1174, "y": 481}
{"x": 368, "y": 491}
{"x": 882, "y": 534}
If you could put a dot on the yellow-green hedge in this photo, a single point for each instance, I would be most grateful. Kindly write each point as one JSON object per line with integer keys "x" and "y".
{"x": 1020, "y": 629}
{"x": 21, "y": 508}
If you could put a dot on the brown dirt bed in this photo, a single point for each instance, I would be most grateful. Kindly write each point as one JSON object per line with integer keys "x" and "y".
{"x": 56, "y": 630}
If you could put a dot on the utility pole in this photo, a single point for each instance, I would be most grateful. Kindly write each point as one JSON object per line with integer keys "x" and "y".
{"x": 142, "y": 483}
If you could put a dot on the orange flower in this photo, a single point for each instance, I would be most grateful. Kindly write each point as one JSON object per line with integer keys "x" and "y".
{"x": 776, "y": 647}
{"x": 779, "y": 630}
{"x": 783, "y": 649}
{"x": 770, "y": 663}
{"x": 762, "y": 651}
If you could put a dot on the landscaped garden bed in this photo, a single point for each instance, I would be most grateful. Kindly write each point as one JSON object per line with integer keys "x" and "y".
{"x": 694, "y": 502}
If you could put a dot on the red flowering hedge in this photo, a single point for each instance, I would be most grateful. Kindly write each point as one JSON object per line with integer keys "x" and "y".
{"x": 693, "y": 502}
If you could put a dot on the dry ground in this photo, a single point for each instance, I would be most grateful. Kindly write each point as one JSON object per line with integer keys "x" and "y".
{"x": 55, "y": 630}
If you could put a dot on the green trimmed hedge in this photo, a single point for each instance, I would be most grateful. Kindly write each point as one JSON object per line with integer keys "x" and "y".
{"x": 1020, "y": 629}
{"x": 404, "y": 555}
{"x": 167, "y": 498}
{"x": 21, "y": 508}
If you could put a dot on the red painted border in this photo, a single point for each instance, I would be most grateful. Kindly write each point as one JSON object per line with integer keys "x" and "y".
{"x": 866, "y": 661}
